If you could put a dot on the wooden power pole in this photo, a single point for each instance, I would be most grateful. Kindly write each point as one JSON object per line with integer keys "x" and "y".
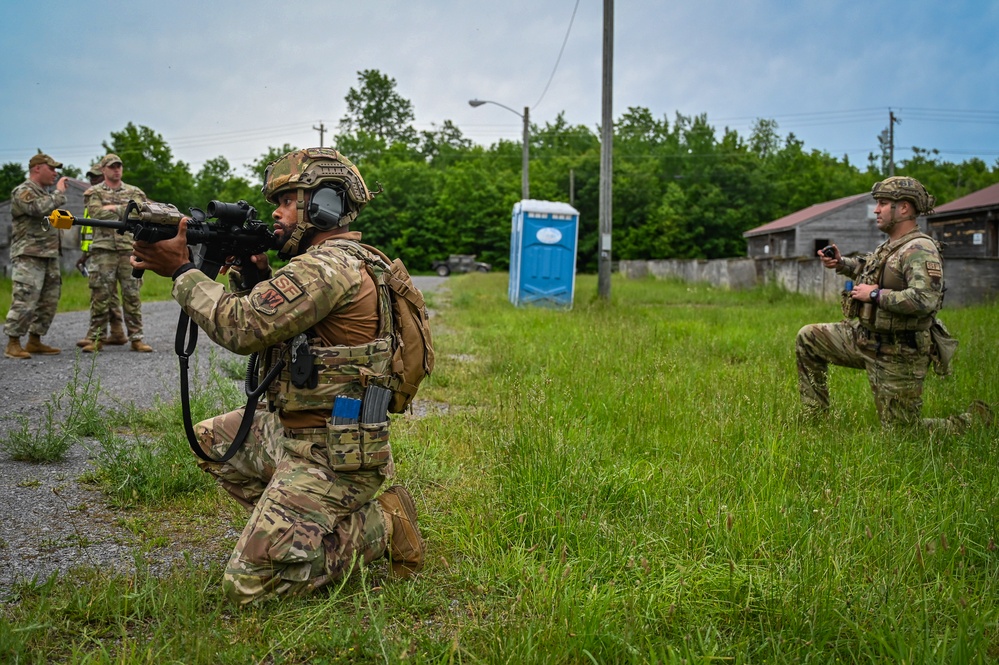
{"x": 606, "y": 156}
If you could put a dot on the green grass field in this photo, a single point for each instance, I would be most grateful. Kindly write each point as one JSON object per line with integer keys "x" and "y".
{"x": 75, "y": 294}
{"x": 625, "y": 482}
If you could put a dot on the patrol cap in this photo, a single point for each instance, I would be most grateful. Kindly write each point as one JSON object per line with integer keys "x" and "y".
{"x": 95, "y": 170}
{"x": 109, "y": 159}
{"x": 42, "y": 158}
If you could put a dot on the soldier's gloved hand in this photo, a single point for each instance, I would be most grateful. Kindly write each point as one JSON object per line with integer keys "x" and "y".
{"x": 163, "y": 257}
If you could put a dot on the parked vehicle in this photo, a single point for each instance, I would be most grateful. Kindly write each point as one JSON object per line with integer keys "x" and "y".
{"x": 459, "y": 263}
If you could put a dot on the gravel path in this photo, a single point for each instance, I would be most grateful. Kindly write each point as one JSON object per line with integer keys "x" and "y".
{"x": 49, "y": 521}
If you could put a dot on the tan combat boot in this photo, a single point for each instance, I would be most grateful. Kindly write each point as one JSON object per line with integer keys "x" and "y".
{"x": 406, "y": 548}
{"x": 141, "y": 347}
{"x": 92, "y": 346}
{"x": 35, "y": 345}
{"x": 14, "y": 349}
{"x": 117, "y": 336}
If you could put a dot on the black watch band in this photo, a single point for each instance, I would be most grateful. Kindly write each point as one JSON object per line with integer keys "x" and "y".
{"x": 184, "y": 268}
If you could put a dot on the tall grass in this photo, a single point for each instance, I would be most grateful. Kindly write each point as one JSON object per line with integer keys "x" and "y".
{"x": 623, "y": 482}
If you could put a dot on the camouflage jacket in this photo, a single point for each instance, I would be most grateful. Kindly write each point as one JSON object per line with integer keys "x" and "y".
{"x": 911, "y": 270}
{"x": 304, "y": 296}
{"x": 101, "y": 195}
{"x": 31, "y": 233}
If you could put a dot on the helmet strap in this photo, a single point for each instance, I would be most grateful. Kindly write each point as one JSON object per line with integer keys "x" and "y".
{"x": 294, "y": 245}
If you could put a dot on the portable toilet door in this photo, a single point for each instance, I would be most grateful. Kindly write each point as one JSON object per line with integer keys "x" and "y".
{"x": 543, "y": 253}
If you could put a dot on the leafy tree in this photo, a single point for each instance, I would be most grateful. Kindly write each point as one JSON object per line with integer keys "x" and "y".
{"x": 12, "y": 174}
{"x": 217, "y": 181}
{"x": 149, "y": 165}
{"x": 444, "y": 144}
{"x": 376, "y": 108}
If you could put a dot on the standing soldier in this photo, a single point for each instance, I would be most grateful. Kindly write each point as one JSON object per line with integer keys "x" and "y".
{"x": 117, "y": 336}
{"x": 34, "y": 258}
{"x": 889, "y": 312}
{"x": 109, "y": 256}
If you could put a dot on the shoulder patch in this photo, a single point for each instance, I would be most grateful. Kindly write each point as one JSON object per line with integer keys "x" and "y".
{"x": 267, "y": 302}
{"x": 287, "y": 287}
{"x": 933, "y": 269}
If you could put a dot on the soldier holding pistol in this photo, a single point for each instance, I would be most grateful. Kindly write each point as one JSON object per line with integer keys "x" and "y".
{"x": 889, "y": 310}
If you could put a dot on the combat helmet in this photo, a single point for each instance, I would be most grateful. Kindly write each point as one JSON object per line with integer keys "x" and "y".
{"x": 337, "y": 190}
{"x": 904, "y": 188}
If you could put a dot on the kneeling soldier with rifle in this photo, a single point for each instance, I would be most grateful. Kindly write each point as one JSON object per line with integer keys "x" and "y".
{"x": 313, "y": 461}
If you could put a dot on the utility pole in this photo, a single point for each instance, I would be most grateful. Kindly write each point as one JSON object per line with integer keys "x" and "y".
{"x": 606, "y": 155}
{"x": 891, "y": 141}
{"x": 322, "y": 131}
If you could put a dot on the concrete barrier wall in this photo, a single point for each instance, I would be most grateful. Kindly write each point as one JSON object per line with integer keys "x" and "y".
{"x": 972, "y": 281}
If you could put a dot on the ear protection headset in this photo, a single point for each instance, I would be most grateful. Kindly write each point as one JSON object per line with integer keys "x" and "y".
{"x": 326, "y": 208}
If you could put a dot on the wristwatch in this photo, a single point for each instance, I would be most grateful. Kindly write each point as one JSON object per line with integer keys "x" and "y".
{"x": 874, "y": 295}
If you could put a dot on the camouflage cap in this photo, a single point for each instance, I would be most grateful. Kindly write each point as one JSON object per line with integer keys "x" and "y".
{"x": 109, "y": 159}
{"x": 42, "y": 158}
{"x": 94, "y": 171}
{"x": 904, "y": 188}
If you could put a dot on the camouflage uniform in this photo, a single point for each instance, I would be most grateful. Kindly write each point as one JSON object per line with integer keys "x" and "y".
{"x": 889, "y": 339}
{"x": 309, "y": 484}
{"x": 94, "y": 280}
{"x": 108, "y": 262}
{"x": 34, "y": 258}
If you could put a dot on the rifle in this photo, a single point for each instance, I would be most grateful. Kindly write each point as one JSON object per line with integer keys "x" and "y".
{"x": 237, "y": 234}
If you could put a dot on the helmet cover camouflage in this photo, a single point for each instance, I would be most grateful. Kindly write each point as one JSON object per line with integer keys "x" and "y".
{"x": 904, "y": 188}
{"x": 310, "y": 169}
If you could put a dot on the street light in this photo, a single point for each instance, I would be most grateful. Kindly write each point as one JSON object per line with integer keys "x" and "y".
{"x": 525, "y": 188}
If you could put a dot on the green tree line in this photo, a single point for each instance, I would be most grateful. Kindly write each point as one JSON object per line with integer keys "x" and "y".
{"x": 682, "y": 188}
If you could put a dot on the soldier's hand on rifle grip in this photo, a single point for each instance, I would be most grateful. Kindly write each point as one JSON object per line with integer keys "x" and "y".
{"x": 163, "y": 257}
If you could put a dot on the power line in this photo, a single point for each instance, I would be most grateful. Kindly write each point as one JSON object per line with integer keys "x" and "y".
{"x": 559, "y": 58}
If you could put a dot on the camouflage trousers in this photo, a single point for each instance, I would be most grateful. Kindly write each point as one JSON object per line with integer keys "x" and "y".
{"x": 113, "y": 303}
{"x": 107, "y": 269}
{"x": 895, "y": 374}
{"x": 35, "y": 291}
{"x": 309, "y": 525}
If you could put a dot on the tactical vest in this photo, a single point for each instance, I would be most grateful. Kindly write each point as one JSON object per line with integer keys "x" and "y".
{"x": 338, "y": 370}
{"x": 877, "y": 319}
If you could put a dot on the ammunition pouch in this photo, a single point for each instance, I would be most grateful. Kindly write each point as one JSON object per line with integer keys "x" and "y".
{"x": 942, "y": 348}
{"x": 345, "y": 448}
{"x": 912, "y": 342}
{"x": 851, "y": 307}
{"x": 339, "y": 370}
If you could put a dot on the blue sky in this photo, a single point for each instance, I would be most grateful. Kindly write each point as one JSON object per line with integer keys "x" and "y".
{"x": 233, "y": 78}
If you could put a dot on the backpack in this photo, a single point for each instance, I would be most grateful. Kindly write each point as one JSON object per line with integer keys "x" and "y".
{"x": 412, "y": 345}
